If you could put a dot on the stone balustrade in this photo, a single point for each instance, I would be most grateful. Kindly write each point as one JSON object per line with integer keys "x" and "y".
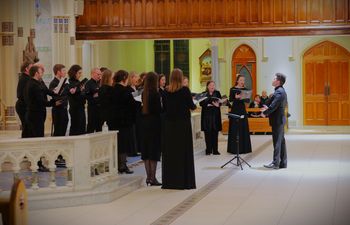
{"x": 74, "y": 162}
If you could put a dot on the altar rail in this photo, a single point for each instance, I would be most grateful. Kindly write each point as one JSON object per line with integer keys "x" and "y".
{"x": 60, "y": 163}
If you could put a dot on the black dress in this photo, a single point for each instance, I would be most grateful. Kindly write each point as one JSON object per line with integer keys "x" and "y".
{"x": 177, "y": 145}
{"x": 211, "y": 121}
{"x": 150, "y": 128}
{"x": 76, "y": 108}
{"x": 134, "y": 143}
{"x": 105, "y": 95}
{"x": 123, "y": 112}
{"x": 238, "y": 107}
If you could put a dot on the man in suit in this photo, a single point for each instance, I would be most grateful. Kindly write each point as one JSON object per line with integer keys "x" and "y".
{"x": 277, "y": 119}
{"x": 59, "y": 113}
{"x": 35, "y": 97}
{"x": 91, "y": 92}
{"x": 21, "y": 107}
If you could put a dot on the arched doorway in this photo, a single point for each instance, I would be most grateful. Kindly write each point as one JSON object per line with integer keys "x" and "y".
{"x": 244, "y": 63}
{"x": 326, "y": 85}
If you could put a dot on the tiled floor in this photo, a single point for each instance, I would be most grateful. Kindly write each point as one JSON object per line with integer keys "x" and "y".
{"x": 314, "y": 190}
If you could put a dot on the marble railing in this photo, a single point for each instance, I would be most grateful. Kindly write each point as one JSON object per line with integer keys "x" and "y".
{"x": 62, "y": 163}
{"x": 196, "y": 125}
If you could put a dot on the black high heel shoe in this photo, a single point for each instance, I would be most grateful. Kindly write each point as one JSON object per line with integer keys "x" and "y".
{"x": 154, "y": 182}
{"x": 125, "y": 170}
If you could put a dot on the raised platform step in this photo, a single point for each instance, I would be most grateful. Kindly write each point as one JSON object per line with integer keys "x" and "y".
{"x": 47, "y": 198}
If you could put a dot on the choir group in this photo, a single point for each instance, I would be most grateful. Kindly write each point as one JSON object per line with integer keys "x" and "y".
{"x": 150, "y": 117}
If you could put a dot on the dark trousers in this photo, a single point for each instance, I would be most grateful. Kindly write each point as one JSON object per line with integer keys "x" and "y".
{"x": 77, "y": 121}
{"x": 94, "y": 121}
{"x": 211, "y": 141}
{"x": 60, "y": 121}
{"x": 279, "y": 146}
{"x": 35, "y": 123}
{"x": 21, "y": 111}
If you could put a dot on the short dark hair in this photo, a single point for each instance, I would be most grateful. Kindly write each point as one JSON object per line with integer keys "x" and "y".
{"x": 33, "y": 70}
{"x": 120, "y": 75}
{"x": 58, "y": 67}
{"x": 25, "y": 65}
{"x": 73, "y": 70}
{"x": 281, "y": 77}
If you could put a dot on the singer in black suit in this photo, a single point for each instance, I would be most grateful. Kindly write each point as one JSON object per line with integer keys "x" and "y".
{"x": 211, "y": 118}
{"x": 59, "y": 113}
{"x": 21, "y": 107}
{"x": 277, "y": 119}
{"x": 36, "y": 101}
{"x": 91, "y": 94}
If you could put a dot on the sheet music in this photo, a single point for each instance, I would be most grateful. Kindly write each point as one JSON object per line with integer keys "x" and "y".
{"x": 195, "y": 101}
{"x": 57, "y": 89}
{"x": 138, "y": 98}
{"x": 220, "y": 100}
{"x": 245, "y": 94}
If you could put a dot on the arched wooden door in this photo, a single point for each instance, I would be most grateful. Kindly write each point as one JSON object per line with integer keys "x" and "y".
{"x": 326, "y": 85}
{"x": 244, "y": 63}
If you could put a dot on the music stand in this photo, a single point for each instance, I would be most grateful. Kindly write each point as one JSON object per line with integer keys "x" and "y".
{"x": 240, "y": 160}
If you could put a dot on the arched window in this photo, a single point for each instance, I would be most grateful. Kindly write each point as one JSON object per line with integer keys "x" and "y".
{"x": 244, "y": 63}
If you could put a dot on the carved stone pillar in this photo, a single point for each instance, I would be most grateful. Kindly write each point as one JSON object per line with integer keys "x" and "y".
{"x": 215, "y": 63}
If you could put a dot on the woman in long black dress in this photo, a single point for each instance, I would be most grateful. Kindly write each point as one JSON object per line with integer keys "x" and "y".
{"x": 132, "y": 82}
{"x": 124, "y": 106}
{"x": 211, "y": 118}
{"x": 76, "y": 101}
{"x": 150, "y": 125}
{"x": 241, "y": 127}
{"x": 105, "y": 95}
{"x": 177, "y": 158}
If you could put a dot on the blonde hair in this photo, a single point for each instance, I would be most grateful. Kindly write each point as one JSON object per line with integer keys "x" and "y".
{"x": 132, "y": 74}
{"x": 176, "y": 78}
{"x": 106, "y": 77}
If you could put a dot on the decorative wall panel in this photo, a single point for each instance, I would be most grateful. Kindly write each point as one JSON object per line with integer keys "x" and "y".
{"x": 122, "y": 19}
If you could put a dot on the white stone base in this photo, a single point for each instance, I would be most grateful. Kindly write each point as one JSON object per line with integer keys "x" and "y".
{"x": 106, "y": 192}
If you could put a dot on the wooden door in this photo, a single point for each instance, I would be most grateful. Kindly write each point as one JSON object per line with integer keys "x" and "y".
{"x": 326, "y": 85}
{"x": 244, "y": 63}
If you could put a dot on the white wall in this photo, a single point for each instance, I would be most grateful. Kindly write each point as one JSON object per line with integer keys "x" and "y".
{"x": 276, "y": 54}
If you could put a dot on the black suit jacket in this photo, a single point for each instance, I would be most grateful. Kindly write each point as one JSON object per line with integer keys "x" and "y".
{"x": 276, "y": 107}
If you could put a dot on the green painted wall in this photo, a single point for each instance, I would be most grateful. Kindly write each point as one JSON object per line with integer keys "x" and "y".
{"x": 136, "y": 55}
{"x": 197, "y": 48}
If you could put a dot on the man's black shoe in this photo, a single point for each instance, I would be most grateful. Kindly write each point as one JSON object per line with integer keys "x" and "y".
{"x": 271, "y": 166}
{"x": 216, "y": 153}
{"x": 282, "y": 167}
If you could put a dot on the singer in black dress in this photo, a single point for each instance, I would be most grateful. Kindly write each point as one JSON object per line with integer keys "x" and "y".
{"x": 177, "y": 157}
{"x": 76, "y": 99}
{"x": 150, "y": 126}
{"x": 211, "y": 118}
{"x": 241, "y": 127}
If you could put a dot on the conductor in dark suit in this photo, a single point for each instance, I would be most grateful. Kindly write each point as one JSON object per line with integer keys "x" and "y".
{"x": 275, "y": 111}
